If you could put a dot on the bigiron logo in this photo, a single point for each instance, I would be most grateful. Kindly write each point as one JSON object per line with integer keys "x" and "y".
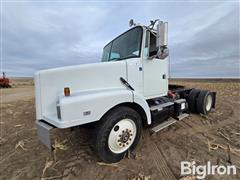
{"x": 201, "y": 171}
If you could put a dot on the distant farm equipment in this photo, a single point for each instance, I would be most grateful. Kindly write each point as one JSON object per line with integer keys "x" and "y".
{"x": 4, "y": 81}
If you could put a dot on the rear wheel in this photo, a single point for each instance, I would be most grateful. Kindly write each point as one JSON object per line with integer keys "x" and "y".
{"x": 192, "y": 100}
{"x": 118, "y": 132}
{"x": 204, "y": 102}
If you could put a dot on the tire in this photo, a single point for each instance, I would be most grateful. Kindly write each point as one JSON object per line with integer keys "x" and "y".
{"x": 192, "y": 100}
{"x": 113, "y": 138}
{"x": 204, "y": 102}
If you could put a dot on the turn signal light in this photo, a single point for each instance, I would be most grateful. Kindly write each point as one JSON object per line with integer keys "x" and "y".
{"x": 66, "y": 91}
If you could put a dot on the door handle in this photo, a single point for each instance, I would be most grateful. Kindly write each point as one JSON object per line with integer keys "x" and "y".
{"x": 164, "y": 76}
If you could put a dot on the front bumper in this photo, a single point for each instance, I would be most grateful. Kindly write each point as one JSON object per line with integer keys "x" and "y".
{"x": 43, "y": 131}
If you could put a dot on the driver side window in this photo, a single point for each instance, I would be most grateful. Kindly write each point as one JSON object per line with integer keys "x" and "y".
{"x": 150, "y": 44}
{"x": 153, "y": 45}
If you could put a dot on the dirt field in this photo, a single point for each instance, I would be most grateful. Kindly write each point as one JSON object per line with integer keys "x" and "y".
{"x": 214, "y": 138}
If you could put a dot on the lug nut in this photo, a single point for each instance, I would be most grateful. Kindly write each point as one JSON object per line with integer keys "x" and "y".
{"x": 127, "y": 143}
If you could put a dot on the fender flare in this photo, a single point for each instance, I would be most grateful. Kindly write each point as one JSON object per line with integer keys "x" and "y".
{"x": 140, "y": 100}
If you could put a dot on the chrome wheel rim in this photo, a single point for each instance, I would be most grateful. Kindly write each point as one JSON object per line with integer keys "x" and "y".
{"x": 122, "y": 136}
{"x": 209, "y": 102}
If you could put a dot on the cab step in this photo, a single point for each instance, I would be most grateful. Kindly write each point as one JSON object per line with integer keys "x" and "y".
{"x": 169, "y": 122}
{"x": 164, "y": 125}
{"x": 182, "y": 116}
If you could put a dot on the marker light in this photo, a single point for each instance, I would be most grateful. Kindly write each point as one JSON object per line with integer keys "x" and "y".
{"x": 66, "y": 91}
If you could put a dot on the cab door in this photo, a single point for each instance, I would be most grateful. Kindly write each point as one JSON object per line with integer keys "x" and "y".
{"x": 155, "y": 71}
{"x": 135, "y": 74}
{"x": 127, "y": 47}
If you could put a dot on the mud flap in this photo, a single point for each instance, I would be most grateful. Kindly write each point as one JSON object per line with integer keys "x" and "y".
{"x": 43, "y": 131}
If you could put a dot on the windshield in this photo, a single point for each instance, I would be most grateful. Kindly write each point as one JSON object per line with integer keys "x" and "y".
{"x": 127, "y": 45}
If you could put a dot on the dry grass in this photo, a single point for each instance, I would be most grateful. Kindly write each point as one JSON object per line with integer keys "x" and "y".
{"x": 215, "y": 146}
{"x": 21, "y": 145}
{"x": 47, "y": 165}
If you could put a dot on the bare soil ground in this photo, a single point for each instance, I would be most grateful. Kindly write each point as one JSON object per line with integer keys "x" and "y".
{"x": 214, "y": 138}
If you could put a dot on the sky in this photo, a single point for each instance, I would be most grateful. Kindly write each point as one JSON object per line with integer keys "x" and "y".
{"x": 203, "y": 36}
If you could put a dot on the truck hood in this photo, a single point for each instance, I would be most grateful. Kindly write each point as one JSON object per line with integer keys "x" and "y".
{"x": 50, "y": 83}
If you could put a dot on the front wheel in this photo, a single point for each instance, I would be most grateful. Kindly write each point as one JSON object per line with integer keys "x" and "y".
{"x": 117, "y": 132}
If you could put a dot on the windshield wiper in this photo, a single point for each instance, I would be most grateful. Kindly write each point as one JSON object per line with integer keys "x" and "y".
{"x": 119, "y": 59}
{"x": 115, "y": 59}
{"x": 131, "y": 56}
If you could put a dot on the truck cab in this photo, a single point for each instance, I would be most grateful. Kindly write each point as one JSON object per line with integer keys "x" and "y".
{"x": 137, "y": 48}
{"x": 129, "y": 88}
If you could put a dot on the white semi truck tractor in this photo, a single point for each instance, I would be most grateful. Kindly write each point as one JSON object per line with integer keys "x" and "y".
{"x": 129, "y": 89}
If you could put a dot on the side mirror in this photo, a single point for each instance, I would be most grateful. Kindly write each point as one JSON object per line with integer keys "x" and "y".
{"x": 162, "y": 34}
{"x": 163, "y": 52}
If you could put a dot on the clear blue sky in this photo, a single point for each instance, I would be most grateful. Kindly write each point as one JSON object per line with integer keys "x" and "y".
{"x": 203, "y": 36}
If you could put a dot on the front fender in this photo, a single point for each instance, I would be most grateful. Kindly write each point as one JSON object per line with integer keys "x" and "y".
{"x": 140, "y": 100}
{"x": 90, "y": 106}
